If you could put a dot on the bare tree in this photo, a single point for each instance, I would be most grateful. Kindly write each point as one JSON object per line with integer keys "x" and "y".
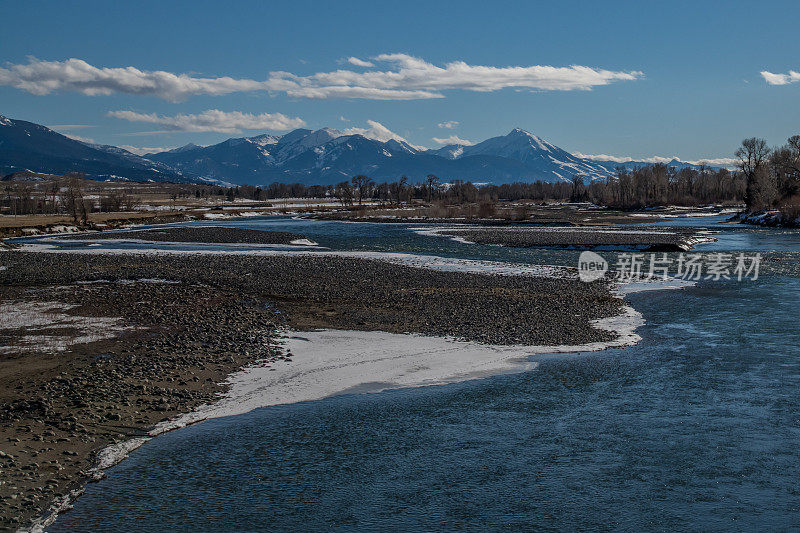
{"x": 12, "y": 205}
{"x": 72, "y": 198}
{"x": 344, "y": 193}
{"x": 362, "y": 185}
{"x": 753, "y": 155}
{"x": 786, "y": 165}
{"x": 398, "y": 189}
{"x": 578, "y": 189}
{"x": 431, "y": 181}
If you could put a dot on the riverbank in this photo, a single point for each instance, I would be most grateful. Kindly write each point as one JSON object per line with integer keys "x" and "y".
{"x": 774, "y": 219}
{"x": 503, "y": 213}
{"x": 31, "y": 225}
{"x": 652, "y": 240}
{"x": 104, "y": 347}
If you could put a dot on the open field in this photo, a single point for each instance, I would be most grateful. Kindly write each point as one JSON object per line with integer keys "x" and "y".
{"x": 56, "y": 204}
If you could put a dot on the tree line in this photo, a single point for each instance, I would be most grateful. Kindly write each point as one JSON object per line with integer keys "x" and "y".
{"x": 643, "y": 187}
{"x": 772, "y": 175}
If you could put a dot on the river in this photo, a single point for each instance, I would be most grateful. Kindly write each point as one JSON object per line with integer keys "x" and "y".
{"x": 697, "y": 427}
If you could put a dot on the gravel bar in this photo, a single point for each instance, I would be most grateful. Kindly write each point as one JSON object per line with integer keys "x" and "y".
{"x": 200, "y": 234}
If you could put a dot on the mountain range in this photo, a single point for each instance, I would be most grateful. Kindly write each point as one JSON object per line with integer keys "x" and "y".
{"x": 328, "y": 156}
{"x": 29, "y": 146}
{"x": 323, "y": 156}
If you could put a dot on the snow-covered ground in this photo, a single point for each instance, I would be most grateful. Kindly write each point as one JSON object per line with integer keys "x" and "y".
{"x": 48, "y": 326}
{"x": 329, "y": 362}
{"x": 768, "y": 218}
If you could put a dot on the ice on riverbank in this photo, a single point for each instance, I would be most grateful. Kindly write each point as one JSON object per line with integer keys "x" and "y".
{"x": 328, "y": 362}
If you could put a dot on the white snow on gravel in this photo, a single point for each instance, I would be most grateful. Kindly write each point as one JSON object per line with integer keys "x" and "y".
{"x": 328, "y": 362}
{"x": 44, "y": 325}
{"x": 420, "y": 261}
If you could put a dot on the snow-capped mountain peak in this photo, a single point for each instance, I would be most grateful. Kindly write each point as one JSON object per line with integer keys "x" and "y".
{"x": 184, "y": 148}
{"x": 263, "y": 140}
{"x": 533, "y": 140}
{"x": 298, "y": 141}
{"x": 326, "y": 155}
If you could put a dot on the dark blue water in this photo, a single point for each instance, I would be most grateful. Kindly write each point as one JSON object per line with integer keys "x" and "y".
{"x": 695, "y": 428}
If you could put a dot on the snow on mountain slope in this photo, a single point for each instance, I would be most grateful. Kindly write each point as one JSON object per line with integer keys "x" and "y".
{"x": 328, "y": 155}
{"x": 29, "y": 146}
{"x": 295, "y": 143}
{"x": 320, "y": 156}
{"x": 536, "y": 153}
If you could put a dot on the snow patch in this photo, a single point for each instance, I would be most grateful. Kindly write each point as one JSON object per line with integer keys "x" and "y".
{"x": 111, "y": 455}
{"x": 303, "y": 242}
{"x": 44, "y": 325}
{"x": 328, "y": 362}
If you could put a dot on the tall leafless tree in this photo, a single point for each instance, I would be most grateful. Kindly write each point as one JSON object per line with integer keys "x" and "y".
{"x": 362, "y": 184}
{"x": 753, "y": 155}
{"x": 431, "y": 181}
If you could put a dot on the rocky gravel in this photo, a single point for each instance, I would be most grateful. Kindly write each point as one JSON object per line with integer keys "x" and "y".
{"x": 195, "y": 319}
{"x": 200, "y": 234}
{"x": 357, "y": 293}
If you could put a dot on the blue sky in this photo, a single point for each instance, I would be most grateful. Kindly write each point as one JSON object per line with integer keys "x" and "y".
{"x": 666, "y": 78}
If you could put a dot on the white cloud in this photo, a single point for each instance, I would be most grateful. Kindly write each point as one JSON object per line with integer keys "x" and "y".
{"x": 404, "y": 78}
{"x": 146, "y": 133}
{"x": 360, "y": 62}
{"x": 727, "y": 162}
{"x": 141, "y": 150}
{"x": 43, "y": 77}
{"x": 378, "y": 132}
{"x": 453, "y": 139}
{"x": 87, "y": 140}
{"x": 413, "y": 77}
{"x": 780, "y": 79}
{"x": 70, "y": 126}
{"x": 365, "y": 93}
{"x": 215, "y": 120}
{"x": 449, "y": 125}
